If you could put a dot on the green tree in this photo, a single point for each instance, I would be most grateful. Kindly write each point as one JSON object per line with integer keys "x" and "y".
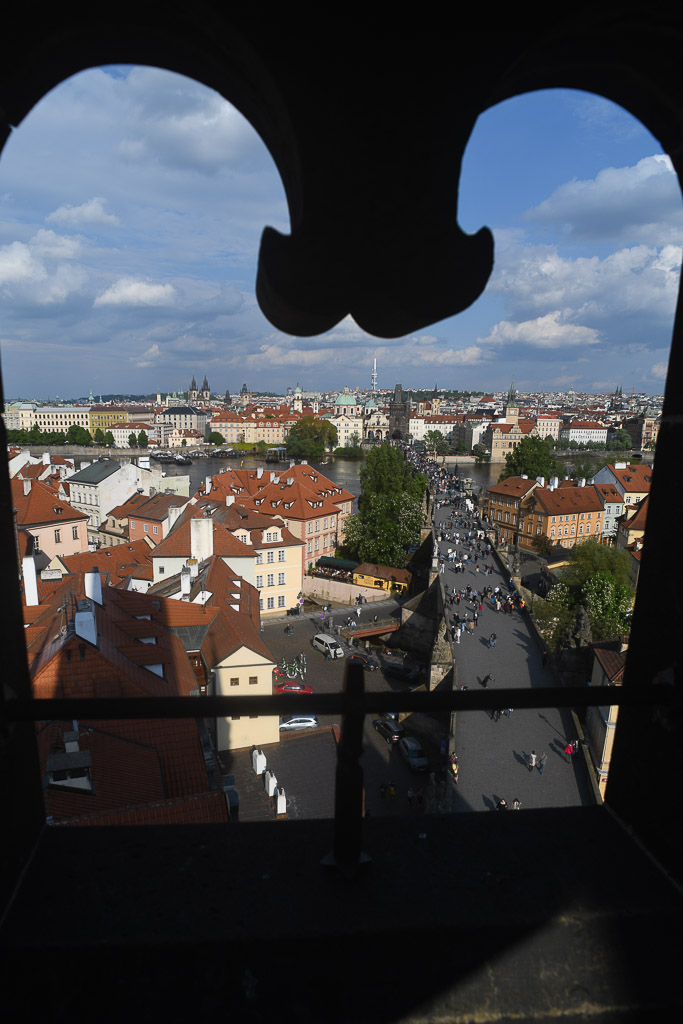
{"x": 385, "y": 532}
{"x": 35, "y": 434}
{"x": 621, "y": 441}
{"x": 532, "y": 457}
{"x": 608, "y": 604}
{"x": 78, "y": 435}
{"x": 386, "y": 472}
{"x": 215, "y": 438}
{"x": 99, "y": 436}
{"x": 555, "y": 614}
{"x": 310, "y": 438}
{"x": 109, "y": 439}
{"x": 436, "y": 443}
{"x": 586, "y": 560}
{"x": 143, "y": 440}
{"x": 132, "y": 440}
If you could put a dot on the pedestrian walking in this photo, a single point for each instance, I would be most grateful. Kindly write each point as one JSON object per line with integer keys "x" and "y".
{"x": 516, "y": 804}
{"x": 492, "y": 641}
{"x": 508, "y": 712}
{"x": 568, "y": 751}
{"x": 486, "y": 680}
{"x": 532, "y": 760}
{"x": 541, "y": 762}
{"x": 496, "y": 715}
{"x": 410, "y": 795}
{"x": 502, "y": 805}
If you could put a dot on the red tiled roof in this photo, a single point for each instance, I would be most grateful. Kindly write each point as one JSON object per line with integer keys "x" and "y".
{"x": 41, "y": 506}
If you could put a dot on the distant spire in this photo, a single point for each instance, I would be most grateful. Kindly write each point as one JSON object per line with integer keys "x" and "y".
{"x": 511, "y": 394}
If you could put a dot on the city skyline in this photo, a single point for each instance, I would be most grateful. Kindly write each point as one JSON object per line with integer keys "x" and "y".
{"x": 131, "y": 265}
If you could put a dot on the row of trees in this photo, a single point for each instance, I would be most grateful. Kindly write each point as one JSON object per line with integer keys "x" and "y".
{"x": 389, "y": 510}
{"x": 74, "y": 435}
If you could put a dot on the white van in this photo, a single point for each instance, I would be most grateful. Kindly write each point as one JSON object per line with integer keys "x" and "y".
{"x": 327, "y": 645}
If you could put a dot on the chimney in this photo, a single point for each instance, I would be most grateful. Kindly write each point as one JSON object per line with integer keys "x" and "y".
{"x": 173, "y": 513}
{"x": 229, "y": 499}
{"x": 28, "y": 567}
{"x": 93, "y": 586}
{"x": 193, "y": 565}
{"x": 259, "y": 472}
{"x": 581, "y": 482}
{"x": 46, "y": 458}
{"x": 84, "y": 623}
{"x": 540, "y": 480}
{"x": 290, "y": 481}
{"x": 201, "y": 538}
{"x": 27, "y": 486}
{"x": 185, "y": 583}
{"x": 207, "y": 485}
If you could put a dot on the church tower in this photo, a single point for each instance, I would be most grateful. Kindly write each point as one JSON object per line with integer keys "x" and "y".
{"x": 193, "y": 394}
{"x": 511, "y": 406}
{"x": 399, "y": 414}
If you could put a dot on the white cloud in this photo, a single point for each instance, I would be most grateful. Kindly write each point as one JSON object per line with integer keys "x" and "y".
{"x": 19, "y": 265}
{"x": 659, "y": 370}
{"x": 545, "y": 332}
{"x": 90, "y": 212}
{"x": 48, "y": 245}
{"x": 129, "y": 292}
{"x": 621, "y": 204}
{"x": 535, "y": 279}
{"x": 149, "y": 357}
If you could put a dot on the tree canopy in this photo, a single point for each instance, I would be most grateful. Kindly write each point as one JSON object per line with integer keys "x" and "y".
{"x": 310, "y": 438}
{"x": 386, "y": 472}
{"x": 389, "y": 509}
{"x": 532, "y": 457}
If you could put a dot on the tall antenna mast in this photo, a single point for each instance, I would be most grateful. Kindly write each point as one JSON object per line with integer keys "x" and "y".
{"x": 373, "y": 375}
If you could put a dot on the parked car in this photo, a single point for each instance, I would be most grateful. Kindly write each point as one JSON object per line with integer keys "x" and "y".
{"x": 412, "y": 753}
{"x": 327, "y": 645}
{"x": 288, "y": 723}
{"x": 401, "y": 674}
{"x": 389, "y": 729}
{"x": 369, "y": 664}
{"x": 291, "y": 686}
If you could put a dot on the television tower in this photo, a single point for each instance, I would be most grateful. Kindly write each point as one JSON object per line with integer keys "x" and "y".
{"x": 373, "y": 375}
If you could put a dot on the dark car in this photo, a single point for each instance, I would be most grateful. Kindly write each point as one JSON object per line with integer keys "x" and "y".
{"x": 369, "y": 664}
{"x": 407, "y": 677}
{"x": 412, "y": 753}
{"x": 389, "y": 729}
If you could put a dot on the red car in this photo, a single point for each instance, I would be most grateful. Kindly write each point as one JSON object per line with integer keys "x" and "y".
{"x": 291, "y": 686}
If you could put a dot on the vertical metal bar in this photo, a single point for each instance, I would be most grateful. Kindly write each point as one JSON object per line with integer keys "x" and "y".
{"x": 346, "y": 853}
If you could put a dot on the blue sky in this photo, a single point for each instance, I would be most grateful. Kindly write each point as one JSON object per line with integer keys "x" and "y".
{"x": 132, "y": 203}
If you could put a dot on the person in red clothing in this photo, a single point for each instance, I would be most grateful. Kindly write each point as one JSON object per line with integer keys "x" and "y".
{"x": 568, "y": 751}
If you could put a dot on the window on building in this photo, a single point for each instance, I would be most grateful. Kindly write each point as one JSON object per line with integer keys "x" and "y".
{"x": 270, "y": 579}
{"x": 58, "y": 536}
{"x": 253, "y": 680}
{"x": 234, "y": 681}
{"x": 259, "y": 558}
{"x": 281, "y": 579}
{"x": 271, "y": 603}
{"x": 270, "y": 556}
{"x": 281, "y": 555}
{"x": 281, "y": 601}
{"x": 259, "y": 582}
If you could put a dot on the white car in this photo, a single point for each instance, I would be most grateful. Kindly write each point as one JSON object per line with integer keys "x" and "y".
{"x": 327, "y": 645}
{"x": 291, "y": 722}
